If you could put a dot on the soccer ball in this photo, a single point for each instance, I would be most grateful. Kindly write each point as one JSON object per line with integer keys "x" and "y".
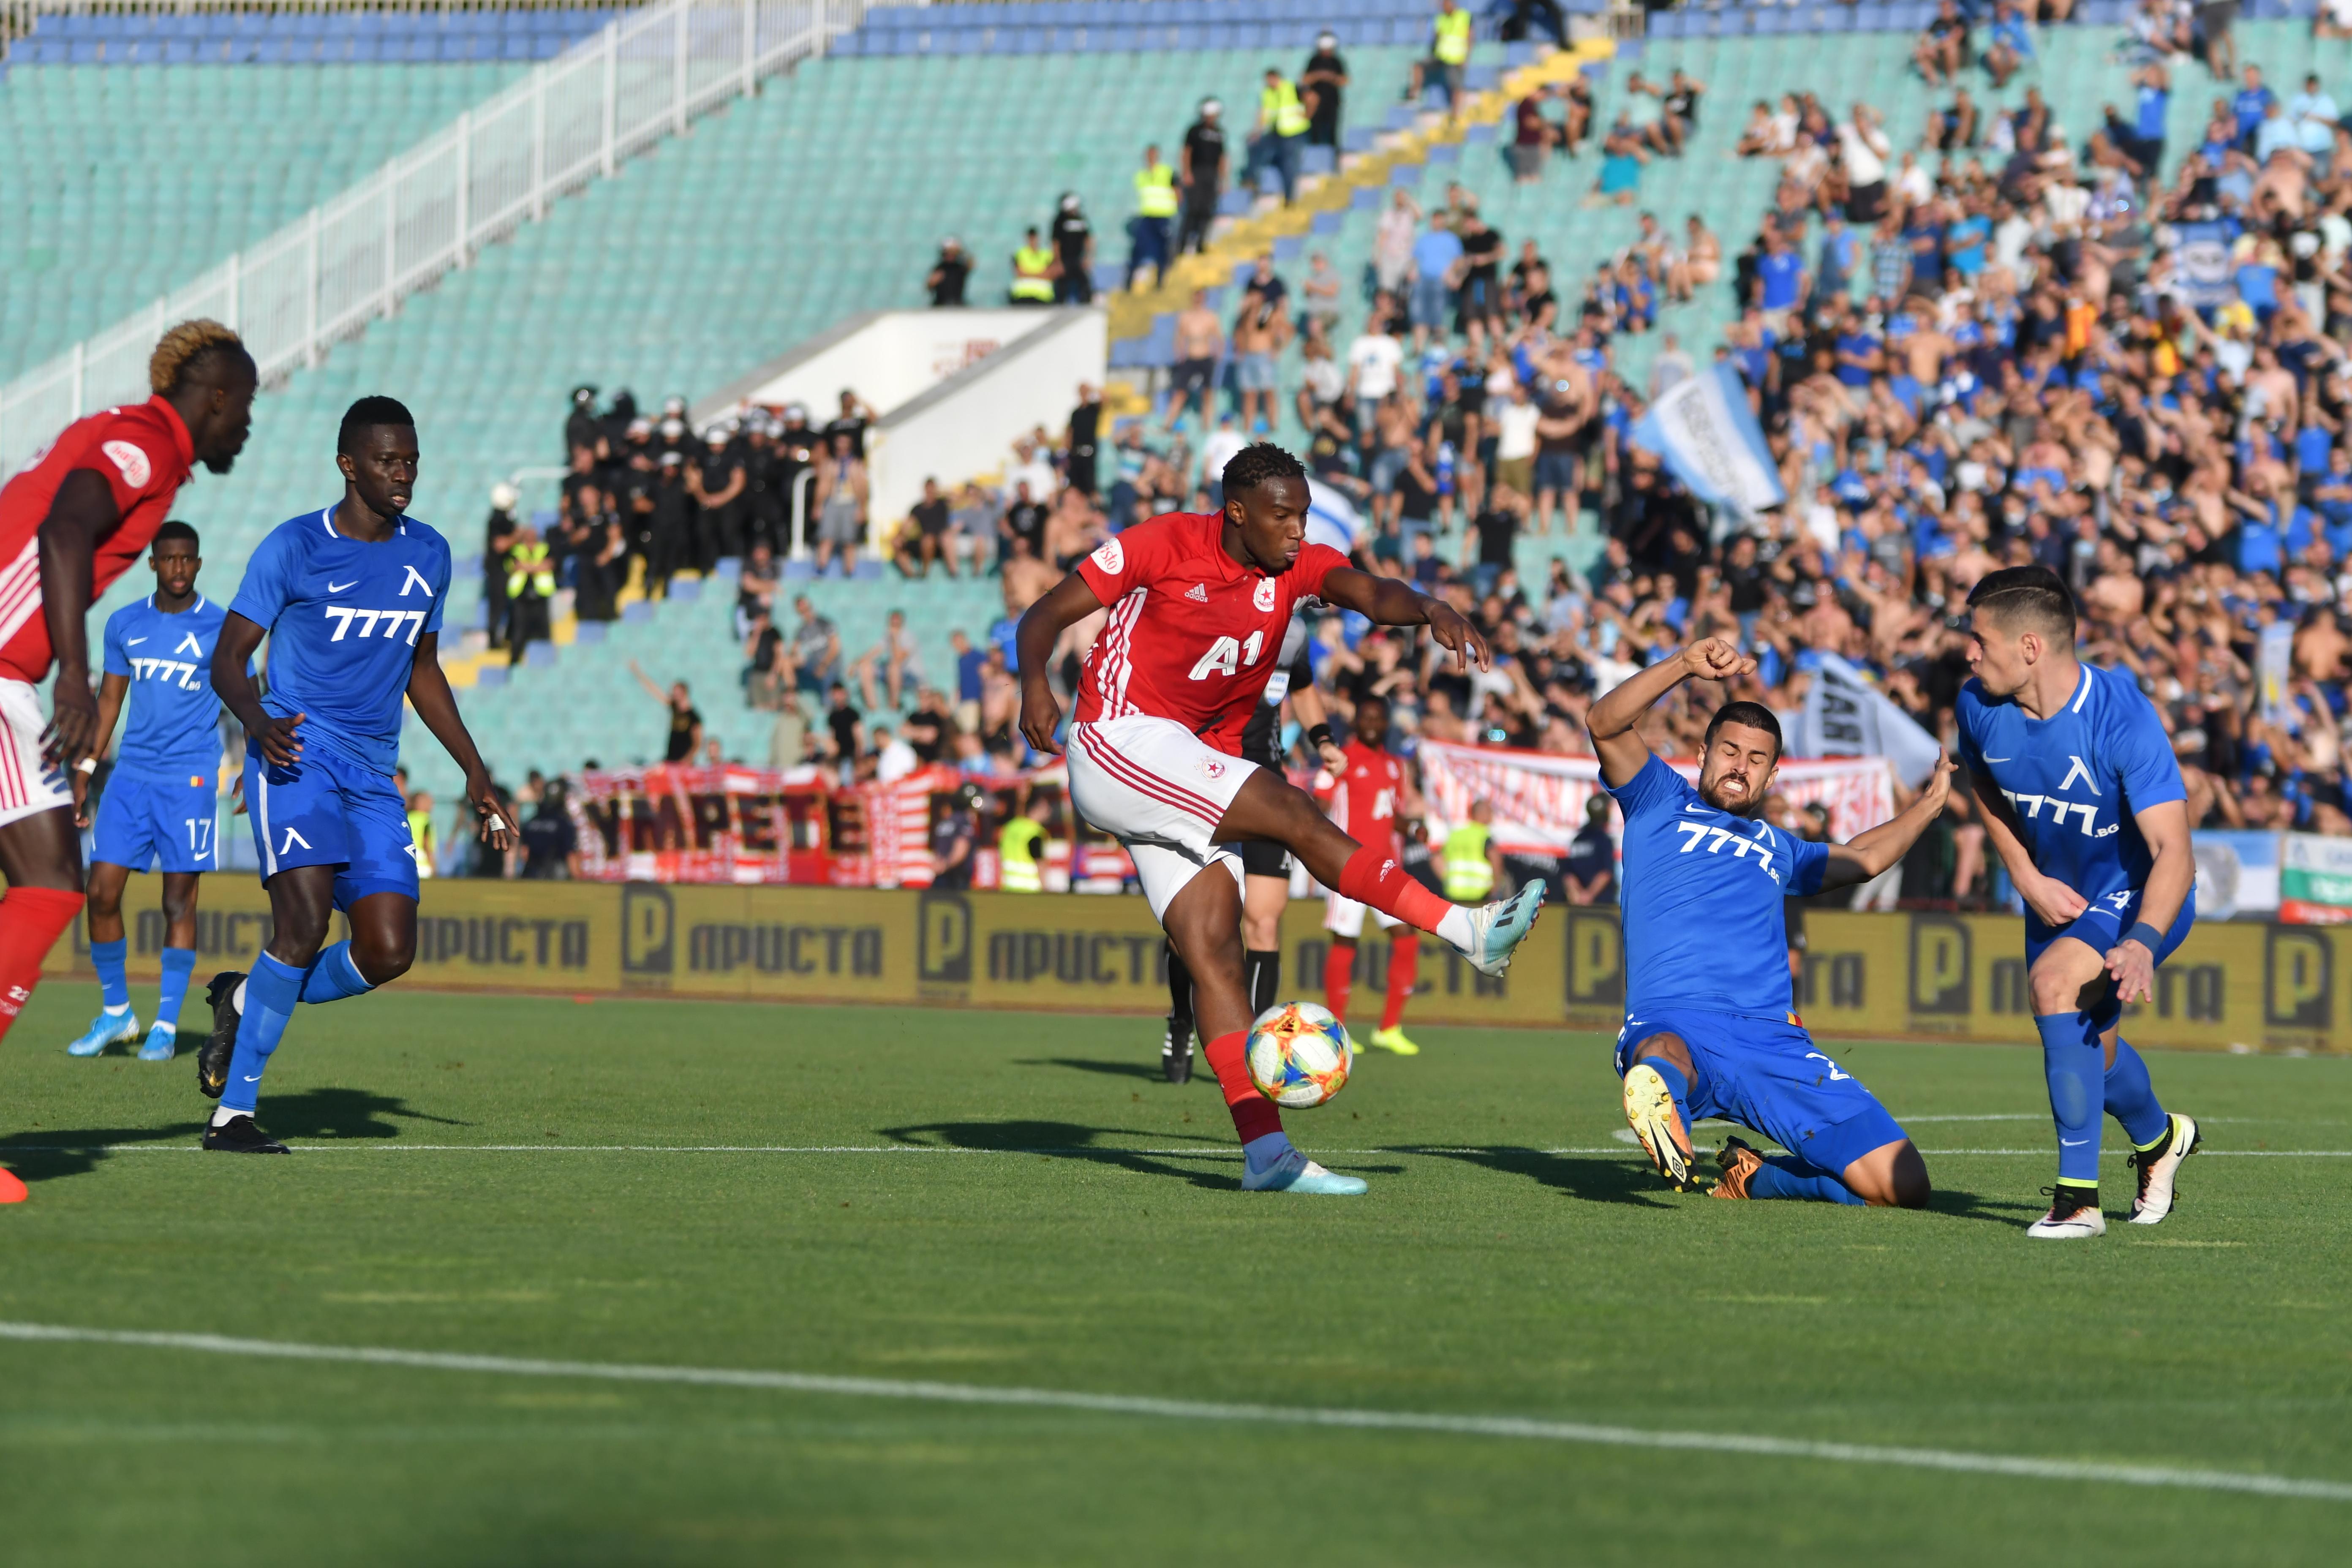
{"x": 1299, "y": 1054}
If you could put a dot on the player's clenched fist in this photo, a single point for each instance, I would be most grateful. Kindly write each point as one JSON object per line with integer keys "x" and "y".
{"x": 1040, "y": 716}
{"x": 1716, "y": 658}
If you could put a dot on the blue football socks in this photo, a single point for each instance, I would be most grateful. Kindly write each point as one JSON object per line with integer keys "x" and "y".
{"x": 271, "y": 992}
{"x": 2131, "y": 1099}
{"x": 1787, "y": 1176}
{"x": 2075, "y": 1067}
{"x": 334, "y": 976}
{"x": 178, "y": 963}
{"x": 113, "y": 987}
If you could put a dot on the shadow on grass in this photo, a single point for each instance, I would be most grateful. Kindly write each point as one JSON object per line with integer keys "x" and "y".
{"x": 1957, "y": 1204}
{"x": 39, "y": 1154}
{"x": 1071, "y": 1141}
{"x": 1593, "y": 1179}
{"x": 1109, "y": 1069}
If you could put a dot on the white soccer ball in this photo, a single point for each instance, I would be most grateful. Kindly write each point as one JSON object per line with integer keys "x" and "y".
{"x": 1299, "y": 1054}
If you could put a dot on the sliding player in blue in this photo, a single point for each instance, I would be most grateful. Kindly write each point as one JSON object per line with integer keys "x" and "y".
{"x": 1708, "y": 1029}
{"x": 2083, "y": 803}
{"x": 351, "y": 599}
{"x": 159, "y": 802}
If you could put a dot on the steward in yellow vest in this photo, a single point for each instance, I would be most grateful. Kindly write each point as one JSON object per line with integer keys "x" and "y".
{"x": 1032, "y": 273}
{"x": 1019, "y": 849}
{"x": 1155, "y": 213}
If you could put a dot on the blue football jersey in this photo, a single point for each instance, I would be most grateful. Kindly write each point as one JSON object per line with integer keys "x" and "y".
{"x": 2076, "y": 779}
{"x": 343, "y": 619}
{"x": 171, "y": 717}
{"x": 1704, "y": 926}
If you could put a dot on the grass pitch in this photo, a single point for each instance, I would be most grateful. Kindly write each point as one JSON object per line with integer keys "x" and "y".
{"x": 1091, "y": 1237}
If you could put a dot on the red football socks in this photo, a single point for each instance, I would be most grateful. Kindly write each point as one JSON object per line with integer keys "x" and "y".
{"x": 1404, "y": 968}
{"x": 1371, "y": 878}
{"x": 1339, "y": 973}
{"x": 31, "y": 921}
{"x": 1254, "y": 1115}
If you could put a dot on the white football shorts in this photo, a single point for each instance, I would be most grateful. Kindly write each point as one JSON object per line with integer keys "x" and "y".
{"x": 29, "y": 781}
{"x": 1160, "y": 791}
{"x": 1345, "y": 917}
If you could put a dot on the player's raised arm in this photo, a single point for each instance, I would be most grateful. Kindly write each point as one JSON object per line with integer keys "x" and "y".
{"x": 1615, "y": 722}
{"x": 1389, "y": 601}
{"x": 1070, "y": 600}
{"x": 1875, "y": 851}
{"x": 429, "y": 694}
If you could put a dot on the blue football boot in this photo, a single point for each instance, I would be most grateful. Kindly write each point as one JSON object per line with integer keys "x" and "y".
{"x": 1498, "y": 928}
{"x": 106, "y": 1029}
{"x": 162, "y": 1042}
{"x": 1294, "y": 1173}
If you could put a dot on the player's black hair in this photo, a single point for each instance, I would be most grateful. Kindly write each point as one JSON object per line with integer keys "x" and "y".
{"x": 1755, "y": 715}
{"x": 2029, "y": 598}
{"x": 175, "y": 529}
{"x": 1254, "y": 464}
{"x": 369, "y": 413}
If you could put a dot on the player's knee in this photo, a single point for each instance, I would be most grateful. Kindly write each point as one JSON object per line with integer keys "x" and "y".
{"x": 2053, "y": 990}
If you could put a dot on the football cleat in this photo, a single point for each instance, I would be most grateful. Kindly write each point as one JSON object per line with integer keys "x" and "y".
{"x": 239, "y": 1135}
{"x": 1739, "y": 1161}
{"x": 106, "y": 1029}
{"x": 1497, "y": 930}
{"x": 12, "y": 1191}
{"x": 1294, "y": 1173}
{"x": 1650, "y": 1111}
{"x": 213, "y": 1056}
{"x": 1393, "y": 1040}
{"x": 163, "y": 1044}
{"x": 2073, "y": 1215}
{"x": 1176, "y": 1052}
{"x": 2157, "y": 1166}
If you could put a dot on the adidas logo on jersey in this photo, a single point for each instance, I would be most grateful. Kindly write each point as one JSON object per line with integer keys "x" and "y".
{"x": 1200, "y": 594}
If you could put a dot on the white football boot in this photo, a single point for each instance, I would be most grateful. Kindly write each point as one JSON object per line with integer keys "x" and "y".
{"x": 2157, "y": 1171}
{"x": 2073, "y": 1215}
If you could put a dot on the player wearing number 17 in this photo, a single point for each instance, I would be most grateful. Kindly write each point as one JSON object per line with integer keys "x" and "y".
{"x": 350, "y": 597}
{"x": 1198, "y": 606}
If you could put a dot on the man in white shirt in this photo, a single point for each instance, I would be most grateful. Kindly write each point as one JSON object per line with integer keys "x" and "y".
{"x": 1515, "y": 439}
{"x": 1373, "y": 361}
{"x": 1224, "y": 444}
{"x": 2313, "y": 114}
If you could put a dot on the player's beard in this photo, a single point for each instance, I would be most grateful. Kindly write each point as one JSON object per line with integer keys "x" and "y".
{"x": 1749, "y": 804}
{"x": 221, "y": 463}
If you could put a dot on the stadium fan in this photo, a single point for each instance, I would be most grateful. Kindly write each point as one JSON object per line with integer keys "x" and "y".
{"x": 69, "y": 525}
{"x": 330, "y": 826}
{"x": 1154, "y": 749}
{"x": 158, "y": 806}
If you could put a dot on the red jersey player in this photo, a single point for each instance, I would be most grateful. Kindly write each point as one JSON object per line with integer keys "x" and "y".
{"x": 70, "y": 523}
{"x": 1198, "y": 608}
{"x": 1365, "y": 795}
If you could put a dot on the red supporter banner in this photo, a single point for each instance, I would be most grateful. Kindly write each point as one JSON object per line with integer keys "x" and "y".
{"x": 1538, "y": 799}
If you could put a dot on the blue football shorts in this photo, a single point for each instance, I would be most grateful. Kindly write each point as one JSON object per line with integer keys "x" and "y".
{"x": 2099, "y": 928}
{"x": 327, "y": 810}
{"x": 1767, "y": 1073}
{"x": 164, "y": 824}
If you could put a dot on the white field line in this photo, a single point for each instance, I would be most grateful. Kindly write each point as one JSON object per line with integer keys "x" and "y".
{"x": 389, "y": 1146}
{"x": 1523, "y": 1427}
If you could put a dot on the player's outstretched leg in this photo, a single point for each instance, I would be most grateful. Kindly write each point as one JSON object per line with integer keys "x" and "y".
{"x": 2161, "y": 1139}
{"x": 1268, "y": 808}
{"x": 1658, "y": 1106}
{"x": 1890, "y": 1176}
{"x": 1204, "y": 922}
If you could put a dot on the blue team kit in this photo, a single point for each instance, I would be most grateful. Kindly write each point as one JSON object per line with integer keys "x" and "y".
{"x": 2075, "y": 781}
{"x": 1707, "y": 960}
{"x": 343, "y": 619}
{"x": 158, "y": 806}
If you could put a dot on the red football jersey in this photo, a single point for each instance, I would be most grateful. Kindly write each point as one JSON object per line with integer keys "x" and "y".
{"x": 1364, "y": 798}
{"x": 143, "y": 452}
{"x": 1193, "y": 634}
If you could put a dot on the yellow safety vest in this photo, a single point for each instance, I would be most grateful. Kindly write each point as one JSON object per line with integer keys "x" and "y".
{"x": 1155, "y": 191}
{"x": 420, "y": 839}
{"x": 1453, "y": 37}
{"x": 1280, "y": 104}
{"x": 1016, "y": 860}
{"x": 1469, "y": 875}
{"x": 528, "y": 563}
{"x": 1029, "y": 273}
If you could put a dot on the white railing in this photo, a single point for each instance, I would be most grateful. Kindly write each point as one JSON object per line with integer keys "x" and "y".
{"x": 353, "y": 258}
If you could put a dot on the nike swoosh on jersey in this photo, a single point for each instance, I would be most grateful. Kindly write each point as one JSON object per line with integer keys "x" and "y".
{"x": 2000, "y": 759}
{"x": 1699, "y": 808}
{"x": 132, "y": 642}
{"x": 339, "y": 587}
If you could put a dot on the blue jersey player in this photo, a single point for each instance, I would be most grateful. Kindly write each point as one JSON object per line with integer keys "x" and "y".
{"x": 157, "y": 809}
{"x": 2083, "y": 803}
{"x": 1708, "y": 1029}
{"x": 349, "y": 596}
